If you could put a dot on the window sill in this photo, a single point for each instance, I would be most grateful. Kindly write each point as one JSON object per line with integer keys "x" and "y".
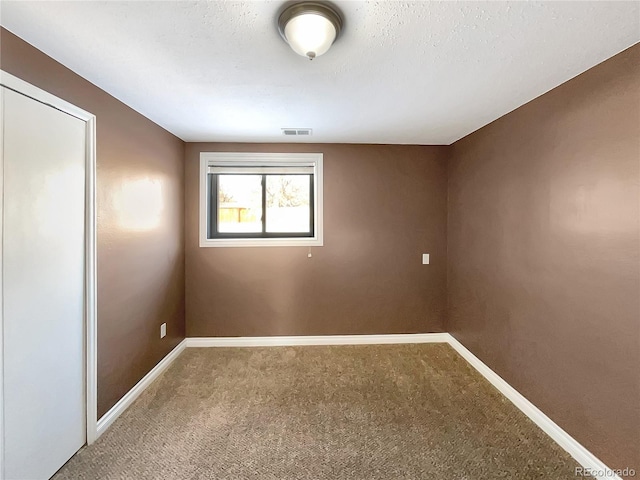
{"x": 262, "y": 242}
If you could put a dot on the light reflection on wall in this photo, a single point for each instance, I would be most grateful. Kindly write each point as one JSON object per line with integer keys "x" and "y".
{"x": 607, "y": 206}
{"x": 139, "y": 204}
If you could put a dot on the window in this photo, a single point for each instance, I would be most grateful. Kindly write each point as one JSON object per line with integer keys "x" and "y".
{"x": 260, "y": 199}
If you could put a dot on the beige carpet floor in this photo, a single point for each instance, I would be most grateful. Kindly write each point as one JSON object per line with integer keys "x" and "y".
{"x": 322, "y": 413}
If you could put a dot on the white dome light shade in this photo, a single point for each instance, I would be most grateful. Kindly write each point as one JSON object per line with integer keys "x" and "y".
{"x": 310, "y": 35}
{"x": 310, "y": 28}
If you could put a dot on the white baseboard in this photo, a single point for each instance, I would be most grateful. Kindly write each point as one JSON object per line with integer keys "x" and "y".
{"x": 108, "y": 418}
{"x": 583, "y": 456}
{"x": 317, "y": 340}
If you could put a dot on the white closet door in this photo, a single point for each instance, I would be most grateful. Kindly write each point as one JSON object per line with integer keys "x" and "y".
{"x": 43, "y": 268}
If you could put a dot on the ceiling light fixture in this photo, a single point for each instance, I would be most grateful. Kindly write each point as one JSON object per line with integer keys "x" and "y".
{"x": 310, "y": 28}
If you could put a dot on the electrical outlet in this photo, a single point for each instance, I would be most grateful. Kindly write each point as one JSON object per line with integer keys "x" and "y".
{"x": 425, "y": 259}
{"x": 163, "y": 330}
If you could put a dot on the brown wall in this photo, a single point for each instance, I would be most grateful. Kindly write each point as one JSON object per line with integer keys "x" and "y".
{"x": 543, "y": 225}
{"x": 367, "y": 278}
{"x": 140, "y": 256}
{"x": 543, "y": 276}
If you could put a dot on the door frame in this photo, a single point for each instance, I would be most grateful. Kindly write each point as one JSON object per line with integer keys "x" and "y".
{"x": 90, "y": 281}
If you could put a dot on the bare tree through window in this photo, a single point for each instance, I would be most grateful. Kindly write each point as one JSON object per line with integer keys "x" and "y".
{"x": 224, "y": 196}
{"x": 287, "y": 190}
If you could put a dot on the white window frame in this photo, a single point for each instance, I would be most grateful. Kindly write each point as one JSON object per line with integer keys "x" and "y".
{"x": 208, "y": 159}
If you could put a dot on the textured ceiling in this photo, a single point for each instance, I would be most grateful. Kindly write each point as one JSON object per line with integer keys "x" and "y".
{"x": 402, "y": 72}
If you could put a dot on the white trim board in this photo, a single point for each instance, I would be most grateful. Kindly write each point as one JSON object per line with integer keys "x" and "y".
{"x": 317, "y": 340}
{"x": 1, "y": 283}
{"x": 562, "y": 438}
{"x": 114, "y": 412}
{"x": 580, "y": 454}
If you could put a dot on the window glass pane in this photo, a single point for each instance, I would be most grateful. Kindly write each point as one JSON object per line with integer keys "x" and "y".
{"x": 288, "y": 203}
{"x": 239, "y": 203}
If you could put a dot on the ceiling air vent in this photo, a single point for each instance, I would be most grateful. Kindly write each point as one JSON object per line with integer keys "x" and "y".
{"x": 296, "y": 132}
